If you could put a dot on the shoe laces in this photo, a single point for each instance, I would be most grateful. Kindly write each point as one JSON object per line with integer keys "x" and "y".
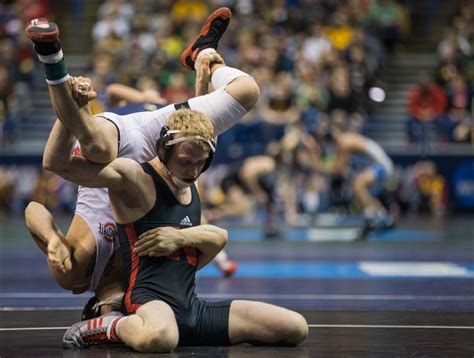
{"x": 215, "y": 32}
{"x": 94, "y": 331}
{"x": 96, "y": 337}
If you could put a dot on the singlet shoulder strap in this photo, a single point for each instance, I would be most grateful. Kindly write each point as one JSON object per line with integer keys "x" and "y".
{"x": 148, "y": 168}
{"x": 161, "y": 185}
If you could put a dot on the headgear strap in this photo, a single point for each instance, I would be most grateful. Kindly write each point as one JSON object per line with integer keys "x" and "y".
{"x": 166, "y": 140}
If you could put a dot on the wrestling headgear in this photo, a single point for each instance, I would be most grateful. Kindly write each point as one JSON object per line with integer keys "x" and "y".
{"x": 167, "y": 139}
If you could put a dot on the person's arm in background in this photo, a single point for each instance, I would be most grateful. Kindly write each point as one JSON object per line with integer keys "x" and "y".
{"x": 341, "y": 158}
{"x": 163, "y": 241}
{"x": 118, "y": 93}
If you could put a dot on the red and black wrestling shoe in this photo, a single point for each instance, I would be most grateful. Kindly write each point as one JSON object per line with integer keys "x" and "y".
{"x": 41, "y": 30}
{"x": 209, "y": 36}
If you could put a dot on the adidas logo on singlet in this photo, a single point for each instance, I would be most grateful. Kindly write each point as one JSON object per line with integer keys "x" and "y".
{"x": 186, "y": 222}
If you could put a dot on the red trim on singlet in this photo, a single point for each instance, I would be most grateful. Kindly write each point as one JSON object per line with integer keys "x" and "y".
{"x": 132, "y": 239}
{"x": 191, "y": 255}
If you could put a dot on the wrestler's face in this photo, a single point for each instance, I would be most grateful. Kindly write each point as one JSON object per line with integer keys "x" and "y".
{"x": 187, "y": 161}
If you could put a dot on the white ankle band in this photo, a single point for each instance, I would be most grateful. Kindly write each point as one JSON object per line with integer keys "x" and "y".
{"x": 221, "y": 257}
{"x": 225, "y": 75}
{"x": 206, "y": 51}
{"x": 51, "y": 59}
{"x": 57, "y": 82}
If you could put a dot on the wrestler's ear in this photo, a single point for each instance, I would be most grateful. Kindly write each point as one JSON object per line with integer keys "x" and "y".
{"x": 163, "y": 151}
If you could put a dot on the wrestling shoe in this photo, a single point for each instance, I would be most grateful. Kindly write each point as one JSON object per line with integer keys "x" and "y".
{"x": 228, "y": 267}
{"x": 378, "y": 222}
{"x": 40, "y": 30}
{"x": 91, "y": 332}
{"x": 209, "y": 36}
{"x": 90, "y": 309}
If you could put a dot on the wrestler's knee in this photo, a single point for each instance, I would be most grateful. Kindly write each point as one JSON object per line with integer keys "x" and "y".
{"x": 160, "y": 338}
{"x": 253, "y": 89}
{"x": 66, "y": 281}
{"x": 30, "y": 210}
{"x": 362, "y": 181}
{"x": 98, "y": 150}
{"x": 159, "y": 332}
{"x": 246, "y": 91}
{"x": 99, "y": 143}
{"x": 296, "y": 330}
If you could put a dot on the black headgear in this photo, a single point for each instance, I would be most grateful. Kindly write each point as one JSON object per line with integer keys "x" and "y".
{"x": 167, "y": 139}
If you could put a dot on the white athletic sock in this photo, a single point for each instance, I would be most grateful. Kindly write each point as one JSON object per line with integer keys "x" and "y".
{"x": 112, "y": 329}
{"x": 225, "y": 75}
{"x": 205, "y": 52}
{"x": 221, "y": 257}
{"x": 51, "y": 59}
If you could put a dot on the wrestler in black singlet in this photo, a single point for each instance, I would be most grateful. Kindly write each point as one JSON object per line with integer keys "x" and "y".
{"x": 266, "y": 181}
{"x": 171, "y": 279}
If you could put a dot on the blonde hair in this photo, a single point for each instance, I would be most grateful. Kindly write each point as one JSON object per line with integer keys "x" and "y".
{"x": 191, "y": 122}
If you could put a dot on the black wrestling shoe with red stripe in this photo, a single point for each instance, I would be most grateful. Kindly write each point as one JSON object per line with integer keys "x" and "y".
{"x": 41, "y": 30}
{"x": 94, "y": 331}
{"x": 209, "y": 36}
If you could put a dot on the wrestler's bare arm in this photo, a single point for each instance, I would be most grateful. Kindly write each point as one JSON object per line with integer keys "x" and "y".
{"x": 346, "y": 144}
{"x": 163, "y": 241}
{"x": 58, "y": 148}
{"x": 117, "y": 92}
{"x": 79, "y": 170}
{"x": 121, "y": 172}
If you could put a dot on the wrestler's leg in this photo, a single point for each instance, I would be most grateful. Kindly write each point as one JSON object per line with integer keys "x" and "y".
{"x": 375, "y": 214}
{"x": 71, "y": 257}
{"x": 109, "y": 291}
{"x": 152, "y": 328}
{"x": 227, "y": 266}
{"x": 98, "y": 138}
{"x": 48, "y": 237}
{"x": 264, "y": 324}
{"x": 361, "y": 185}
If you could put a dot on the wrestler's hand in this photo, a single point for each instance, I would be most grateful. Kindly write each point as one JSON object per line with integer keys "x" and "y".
{"x": 82, "y": 90}
{"x": 203, "y": 71}
{"x": 161, "y": 241}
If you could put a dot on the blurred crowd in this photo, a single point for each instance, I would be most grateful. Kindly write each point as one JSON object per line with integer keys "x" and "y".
{"x": 19, "y": 184}
{"x": 18, "y": 66}
{"x": 442, "y": 102}
{"x": 310, "y": 58}
{"x": 315, "y": 62}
